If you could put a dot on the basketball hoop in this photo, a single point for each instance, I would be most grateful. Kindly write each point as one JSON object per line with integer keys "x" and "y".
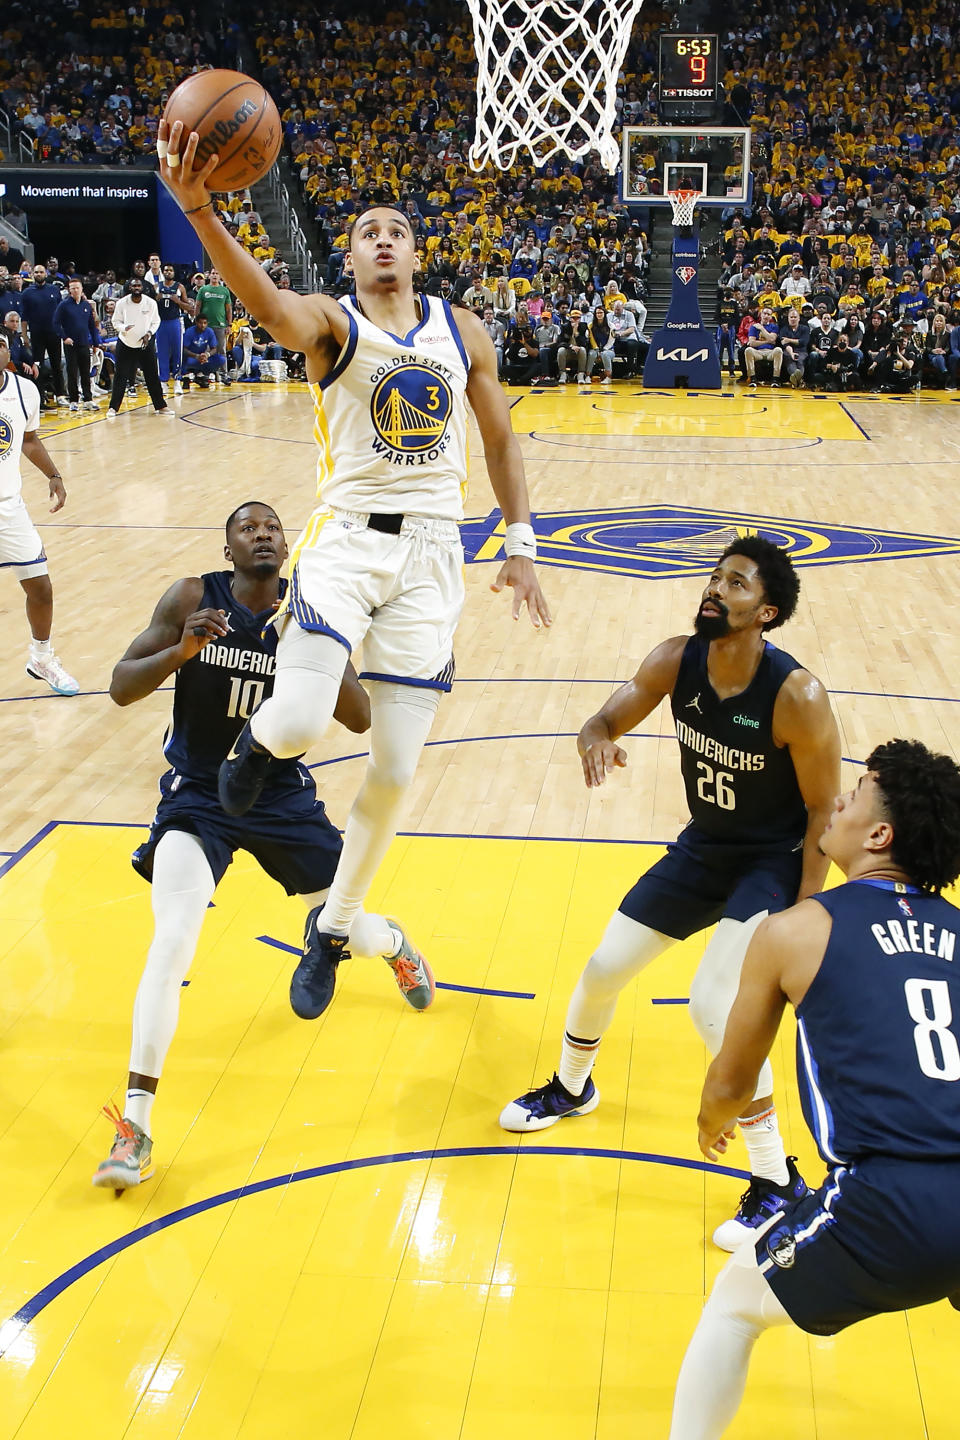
{"x": 547, "y": 78}
{"x": 683, "y": 203}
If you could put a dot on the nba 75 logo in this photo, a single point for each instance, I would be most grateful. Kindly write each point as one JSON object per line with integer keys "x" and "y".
{"x": 686, "y": 273}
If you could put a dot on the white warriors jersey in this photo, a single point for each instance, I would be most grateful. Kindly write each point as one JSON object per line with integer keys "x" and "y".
{"x": 390, "y": 418}
{"x": 19, "y": 413}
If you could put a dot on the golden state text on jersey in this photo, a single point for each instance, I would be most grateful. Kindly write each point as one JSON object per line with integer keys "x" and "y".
{"x": 390, "y": 417}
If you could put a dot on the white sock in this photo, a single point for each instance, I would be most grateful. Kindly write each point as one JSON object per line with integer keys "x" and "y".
{"x": 41, "y": 649}
{"x": 138, "y": 1105}
{"x": 576, "y": 1061}
{"x": 400, "y": 721}
{"x": 761, "y": 1135}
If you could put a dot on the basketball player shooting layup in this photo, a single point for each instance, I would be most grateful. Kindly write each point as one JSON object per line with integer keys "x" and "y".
{"x": 871, "y": 969}
{"x": 760, "y": 756}
{"x": 380, "y": 559}
{"x": 208, "y": 631}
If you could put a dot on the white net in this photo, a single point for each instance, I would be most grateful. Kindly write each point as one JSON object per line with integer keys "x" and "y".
{"x": 684, "y": 202}
{"x": 547, "y": 78}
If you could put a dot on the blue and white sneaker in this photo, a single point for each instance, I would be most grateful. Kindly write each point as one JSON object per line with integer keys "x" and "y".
{"x": 761, "y": 1200}
{"x": 53, "y": 674}
{"x": 244, "y": 773}
{"x": 539, "y": 1109}
{"x": 312, "y": 983}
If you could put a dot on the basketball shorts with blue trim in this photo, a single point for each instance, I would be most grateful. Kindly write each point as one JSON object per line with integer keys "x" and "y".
{"x": 287, "y": 831}
{"x": 21, "y": 549}
{"x": 400, "y": 595}
{"x": 882, "y": 1235}
{"x": 700, "y": 881}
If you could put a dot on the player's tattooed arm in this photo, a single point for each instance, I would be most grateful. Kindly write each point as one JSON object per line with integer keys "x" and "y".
{"x": 804, "y": 721}
{"x": 353, "y": 703}
{"x": 178, "y": 630}
{"x": 626, "y": 707}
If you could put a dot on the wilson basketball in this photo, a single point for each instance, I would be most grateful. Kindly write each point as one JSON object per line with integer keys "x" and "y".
{"x": 235, "y": 119}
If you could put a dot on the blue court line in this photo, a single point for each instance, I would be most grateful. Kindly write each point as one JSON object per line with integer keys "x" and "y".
{"x": 37, "y": 1303}
{"x": 680, "y": 1000}
{"x": 855, "y": 422}
{"x": 525, "y": 680}
{"x": 440, "y": 984}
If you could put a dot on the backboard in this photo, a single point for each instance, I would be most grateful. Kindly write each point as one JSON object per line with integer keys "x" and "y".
{"x": 712, "y": 159}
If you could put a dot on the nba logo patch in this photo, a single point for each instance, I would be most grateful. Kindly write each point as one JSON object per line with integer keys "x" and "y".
{"x": 685, "y": 272}
{"x": 904, "y": 906}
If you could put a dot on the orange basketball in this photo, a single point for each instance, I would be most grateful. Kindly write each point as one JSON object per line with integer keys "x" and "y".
{"x": 235, "y": 119}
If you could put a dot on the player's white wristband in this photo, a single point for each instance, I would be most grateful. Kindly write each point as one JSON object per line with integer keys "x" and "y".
{"x": 521, "y": 541}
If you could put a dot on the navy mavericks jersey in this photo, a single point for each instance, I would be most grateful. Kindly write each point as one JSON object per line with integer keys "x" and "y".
{"x": 168, "y": 310}
{"x": 740, "y": 786}
{"x": 878, "y": 1058}
{"x": 217, "y": 691}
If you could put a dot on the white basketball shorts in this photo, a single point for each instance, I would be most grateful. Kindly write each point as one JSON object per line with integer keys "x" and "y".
{"x": 21, "y": 549}
{"x": 401, "y": 595}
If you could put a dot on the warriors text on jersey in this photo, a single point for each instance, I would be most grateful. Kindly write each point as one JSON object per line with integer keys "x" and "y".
{"x": 878, "y": 1031}
{"x": 217, "y": 691}
{"x": 741, "y": 786}
{"x": 391, "y": 418}
{"x": 19, "y": 414}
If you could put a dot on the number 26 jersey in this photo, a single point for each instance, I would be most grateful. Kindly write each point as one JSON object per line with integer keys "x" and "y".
{"x": 741, "y": 786}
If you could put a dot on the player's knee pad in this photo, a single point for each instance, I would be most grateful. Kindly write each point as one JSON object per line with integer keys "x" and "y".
{"x": 742, "y": 1296}
{"x": 626, "y": 948}
{"x": 714, "y": 986}
{"x": 299, "y": 711}
{"x": 400, "y": 721}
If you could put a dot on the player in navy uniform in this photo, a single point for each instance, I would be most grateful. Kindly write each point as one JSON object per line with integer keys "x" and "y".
{"x": 871, "y": 969}
{"x": 760, "y": 756}
{"x": 208, "y": 630}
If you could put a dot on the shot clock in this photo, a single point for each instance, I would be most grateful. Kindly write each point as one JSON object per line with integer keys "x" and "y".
{"x": 689, "y": 71}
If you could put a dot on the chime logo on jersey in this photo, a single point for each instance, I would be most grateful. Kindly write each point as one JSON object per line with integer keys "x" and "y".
{"x": 6, "y": 437}
{"x": 410, "y": 409}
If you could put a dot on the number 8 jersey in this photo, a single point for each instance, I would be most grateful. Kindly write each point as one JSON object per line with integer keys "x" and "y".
{"x": 878, "y": 1058}
{"x": 217, "y": 691}
{"x": 741, "y": 786}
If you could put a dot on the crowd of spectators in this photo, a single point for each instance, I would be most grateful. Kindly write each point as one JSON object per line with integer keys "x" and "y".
{"x": 61, "y": 333}
{"x": 856, "y": 168}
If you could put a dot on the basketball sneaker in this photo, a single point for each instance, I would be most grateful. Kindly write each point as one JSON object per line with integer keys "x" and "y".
{"x": 539, "y": 1109}
{"x": 52, "y": 672}
{"x": 312, "y": 983}
{"x": 243, "y": 774}
{"x": 759, "y": 1201}
{"x": 410, "y": 970}
{"x": 131, "y": 1155}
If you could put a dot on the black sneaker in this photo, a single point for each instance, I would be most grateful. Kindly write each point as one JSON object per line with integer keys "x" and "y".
{"x": 758, "y": 1202}
{"x": 243, "y": 774}
{"x": 543, "y": 1107}
{"x": 313, "y": 981}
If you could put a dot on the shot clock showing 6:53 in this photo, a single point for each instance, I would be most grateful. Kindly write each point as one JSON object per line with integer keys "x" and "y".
{"x": 688, "y": 67}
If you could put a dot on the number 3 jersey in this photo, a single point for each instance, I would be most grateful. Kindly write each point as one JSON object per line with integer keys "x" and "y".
{"x": 741, "y": 786}
{"x": 390, "y": 418}
{"x": 217, "y": 691}
{"x": 878, "y": 1058}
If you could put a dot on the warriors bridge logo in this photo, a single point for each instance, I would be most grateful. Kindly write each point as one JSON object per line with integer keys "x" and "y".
{"x": 6, "y": 437}
{"x": 410, "y": 408}
{"x": 659, "y": 542}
